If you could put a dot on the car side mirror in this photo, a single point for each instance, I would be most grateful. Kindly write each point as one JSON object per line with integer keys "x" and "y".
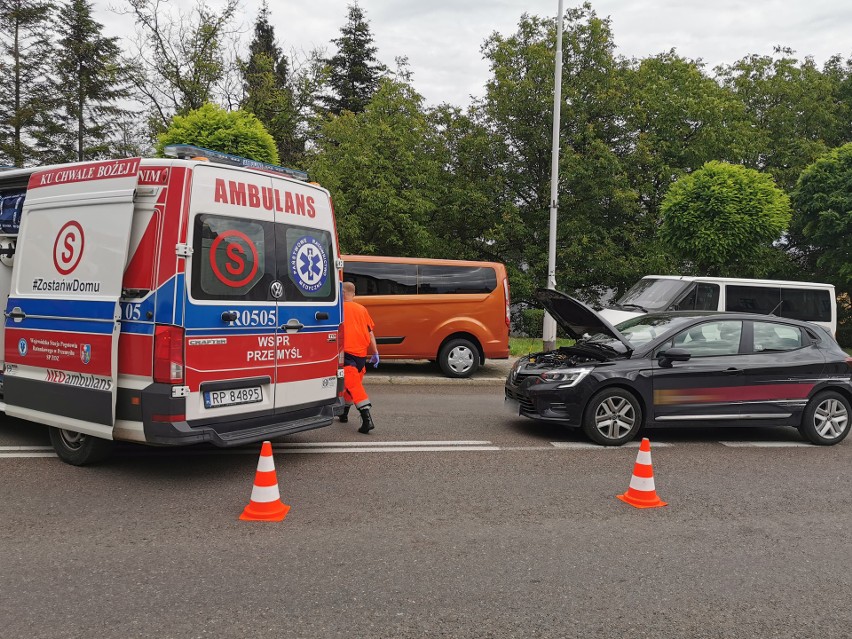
{"x": 665, "y": 358}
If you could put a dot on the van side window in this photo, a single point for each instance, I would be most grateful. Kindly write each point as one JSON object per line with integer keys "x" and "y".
{"x": 805, "y": 304}
{"x": 701, "y": 297}
{"x": 753, "y": 299}
{"x": 769, "y": 336}
{"x": 379, "y": 278}
{"x": 456, "y": 280}
{"x": 230, "y": 259}
{"x": 305, "y": 264}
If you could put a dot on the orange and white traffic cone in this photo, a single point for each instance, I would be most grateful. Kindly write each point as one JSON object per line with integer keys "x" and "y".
{"x": 265, "y": 503}
{"x": 641, "y": 493}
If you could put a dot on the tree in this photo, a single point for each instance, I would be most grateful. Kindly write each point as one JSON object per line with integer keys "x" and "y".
{"x": 381, "y": 171}
{"x": 354, "y": 72}
{"x": 268, "y": 94}
{"x": 676, "y": 119}
{"x": 821, "y": 231}
{"x": 26, "y": 107}
{"x": 94, "y": 81}
{"x": 602, "y": 237}
{"x": 469, "y": 189}
{"x": 797, "y": 110}
{"x": 212, "y": 127}
{"x": 723, "y": 219}
{"x": 180, "y": 59}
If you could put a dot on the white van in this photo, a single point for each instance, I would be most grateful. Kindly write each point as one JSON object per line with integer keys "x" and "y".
{"x": 806, "y": 301}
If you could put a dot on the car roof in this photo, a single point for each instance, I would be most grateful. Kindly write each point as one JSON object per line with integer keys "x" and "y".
{"x": 729, "y": 315}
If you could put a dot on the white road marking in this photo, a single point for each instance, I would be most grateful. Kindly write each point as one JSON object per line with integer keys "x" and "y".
{"x": 298, "y": 448}
{"x": 377, "y": 443}
{"x": 768, "y": 445}
{"x": 591, "y": 446}
{"x": 20, "y": 454}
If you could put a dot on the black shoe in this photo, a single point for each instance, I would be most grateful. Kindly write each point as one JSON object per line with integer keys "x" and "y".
{"x": 366, "y": 421}
{"x": 344, "y": 416}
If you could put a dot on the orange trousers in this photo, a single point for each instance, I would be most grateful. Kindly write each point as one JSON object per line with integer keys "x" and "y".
{"x": 353, "y": 386}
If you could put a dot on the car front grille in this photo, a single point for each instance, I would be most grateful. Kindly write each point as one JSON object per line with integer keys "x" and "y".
{"x": 526, "y": 403}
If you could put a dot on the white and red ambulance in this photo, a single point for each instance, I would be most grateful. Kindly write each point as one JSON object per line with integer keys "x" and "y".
{"x": 168, "y": 301}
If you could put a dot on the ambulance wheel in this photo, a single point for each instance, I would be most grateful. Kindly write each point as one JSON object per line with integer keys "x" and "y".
{"x": 78, "y": 449}
{"x": 458, "y": 358}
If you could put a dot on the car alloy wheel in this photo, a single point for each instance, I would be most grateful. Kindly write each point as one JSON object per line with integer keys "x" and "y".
{"x": 613, "y": 417}
{"x": 826, "y": 419}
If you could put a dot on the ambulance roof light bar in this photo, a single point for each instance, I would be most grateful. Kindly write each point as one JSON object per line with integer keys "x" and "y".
{"x": 189, "y": 152}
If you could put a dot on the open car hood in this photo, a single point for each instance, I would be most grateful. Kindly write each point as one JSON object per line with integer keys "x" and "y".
{"x": 575, "y": 318}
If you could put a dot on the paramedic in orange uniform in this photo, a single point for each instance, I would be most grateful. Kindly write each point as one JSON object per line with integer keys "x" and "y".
{"x": 359, "y": 343}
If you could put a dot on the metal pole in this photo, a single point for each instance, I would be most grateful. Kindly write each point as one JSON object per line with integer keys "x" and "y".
{"x": 549, "y": 332}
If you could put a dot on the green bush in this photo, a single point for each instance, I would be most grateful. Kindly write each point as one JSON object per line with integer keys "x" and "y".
{"x": 529, "y": 322}
{"x": 844, "y": 336}
{"x": 212, "y": 127}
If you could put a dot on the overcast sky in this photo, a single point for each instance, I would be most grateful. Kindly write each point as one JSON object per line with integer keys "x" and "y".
{"x": 442, "y": 38}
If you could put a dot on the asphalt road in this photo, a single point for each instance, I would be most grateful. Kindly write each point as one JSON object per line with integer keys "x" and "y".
{"x": 512, "y": 531}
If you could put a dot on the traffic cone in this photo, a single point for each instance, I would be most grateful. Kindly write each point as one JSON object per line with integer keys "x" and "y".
{"x": 265, "y": 503}
{"x": 641, "y": 492}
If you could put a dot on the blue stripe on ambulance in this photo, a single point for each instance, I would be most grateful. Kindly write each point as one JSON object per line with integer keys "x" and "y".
{"x": 65, "y": 315}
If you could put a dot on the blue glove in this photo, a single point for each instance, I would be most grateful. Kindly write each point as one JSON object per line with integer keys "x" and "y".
{"x": 374, "y": 360}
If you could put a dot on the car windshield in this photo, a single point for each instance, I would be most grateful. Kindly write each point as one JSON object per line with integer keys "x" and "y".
{"x": 638, "y": 331}
{"x": 649, "y": 295}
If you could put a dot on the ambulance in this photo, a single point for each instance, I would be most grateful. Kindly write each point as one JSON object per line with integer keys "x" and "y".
{"x": 168, "y": 302}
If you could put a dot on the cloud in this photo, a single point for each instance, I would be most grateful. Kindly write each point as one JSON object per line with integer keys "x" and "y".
{"x": 442, "y": 38}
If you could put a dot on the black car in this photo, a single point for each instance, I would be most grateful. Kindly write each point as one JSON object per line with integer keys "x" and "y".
{"x": 684, "y": 368}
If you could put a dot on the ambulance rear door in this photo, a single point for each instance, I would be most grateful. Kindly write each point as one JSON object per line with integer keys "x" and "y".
{"x": 62, "y": 316}
{"x": 309, "y": 307}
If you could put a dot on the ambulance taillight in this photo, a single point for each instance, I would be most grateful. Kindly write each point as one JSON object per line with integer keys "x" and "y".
{"x": 168, "y": 354}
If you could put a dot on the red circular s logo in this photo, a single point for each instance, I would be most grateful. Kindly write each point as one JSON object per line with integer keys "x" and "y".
{"x": 236, "y": 252}
{"x": 68, "y": 247}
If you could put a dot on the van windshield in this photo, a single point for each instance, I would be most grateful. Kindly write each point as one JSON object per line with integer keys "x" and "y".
{"x": 649, "y": 295}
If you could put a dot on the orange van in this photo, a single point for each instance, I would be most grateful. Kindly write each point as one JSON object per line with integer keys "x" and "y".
{"x": 455, "y": 312}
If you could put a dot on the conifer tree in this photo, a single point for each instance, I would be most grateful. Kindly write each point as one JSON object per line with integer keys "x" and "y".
{"x": 268, "y": 94}
{"x": 93, "y": 83}
{"x": 27, "y": 101}
{"x": 354, "y": 73}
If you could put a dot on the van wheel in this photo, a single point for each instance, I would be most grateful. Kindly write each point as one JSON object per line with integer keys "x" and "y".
{"x": 458, "y": 358}
{"x": 612, "y": 417}
{"x": 78, "y": 449}
{"x": 826, "y": 419}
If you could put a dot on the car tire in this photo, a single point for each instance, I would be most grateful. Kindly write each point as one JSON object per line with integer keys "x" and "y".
{"x": 78, "y": 449}
{"x": 612, "y": 417}
{"x": 826, "y": 419}
{"x": 458, "y": 358}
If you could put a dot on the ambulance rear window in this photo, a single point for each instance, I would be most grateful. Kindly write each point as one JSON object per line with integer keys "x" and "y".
{"x": 230, "y": 258}
{"x": 238, "y": 259}
{"x": 305, "y": 264}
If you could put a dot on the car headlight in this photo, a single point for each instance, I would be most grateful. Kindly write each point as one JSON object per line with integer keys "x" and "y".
{"x": 568, "y": 376}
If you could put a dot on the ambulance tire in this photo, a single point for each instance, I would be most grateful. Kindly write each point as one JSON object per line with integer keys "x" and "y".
{"x": 459, "y": 358}
{"x": 78, "y": 449}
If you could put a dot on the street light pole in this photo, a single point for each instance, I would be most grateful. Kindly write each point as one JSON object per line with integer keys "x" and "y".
{"x": 549, "y": 328}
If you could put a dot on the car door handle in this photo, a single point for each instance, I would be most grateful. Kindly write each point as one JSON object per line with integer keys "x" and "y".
{"x": 321, "y": 315}
{"x": 16, "y": 314}
{"x": 733, "y": 371}
{"x": 229, "y": 316}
